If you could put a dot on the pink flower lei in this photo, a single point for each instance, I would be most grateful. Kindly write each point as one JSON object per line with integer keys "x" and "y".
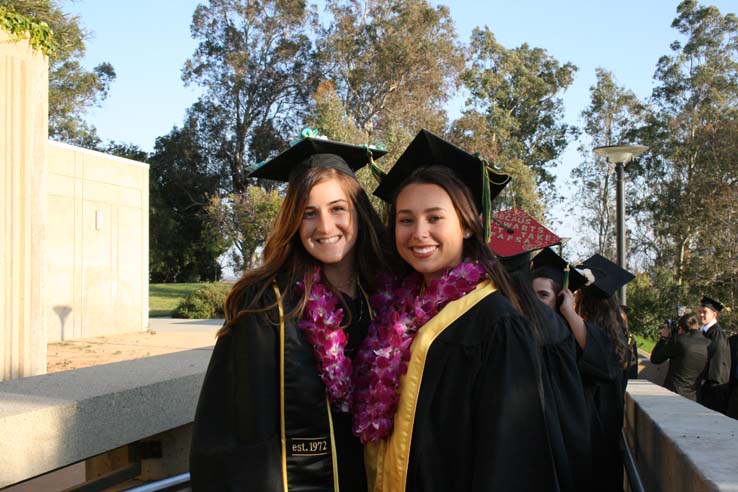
{"x": 321, "y": 323}
{"x": 385, "y": 353}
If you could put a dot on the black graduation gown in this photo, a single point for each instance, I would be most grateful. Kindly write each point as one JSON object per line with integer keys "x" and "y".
{"x": 604, "y": 391}
{"x": 733, "y": 400}
{"x": 237, "y": 431}
{"x": 715, "y": 389}
{"x": 470, "y": 416}
{"x": 687, "y": 356}
{"x": 565, "y": 406}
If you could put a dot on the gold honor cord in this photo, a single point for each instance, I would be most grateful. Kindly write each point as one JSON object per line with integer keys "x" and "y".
{"x": 334, "y": 451}
{"x": 283, "y": 434}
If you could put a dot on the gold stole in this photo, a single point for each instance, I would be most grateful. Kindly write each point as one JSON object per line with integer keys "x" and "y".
{"x": 387, "y": 460}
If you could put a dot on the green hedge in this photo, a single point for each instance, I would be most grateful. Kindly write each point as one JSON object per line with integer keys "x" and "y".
{"x": 205, "y": 302}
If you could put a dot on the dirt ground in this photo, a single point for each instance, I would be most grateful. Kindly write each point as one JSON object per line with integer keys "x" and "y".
{"x": 170, "y": 337}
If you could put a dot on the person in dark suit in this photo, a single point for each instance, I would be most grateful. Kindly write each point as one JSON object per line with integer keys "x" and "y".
{"x": 715, "y": 388}
{"x": 733, "y": 399}
{"x": 686, "y": 352}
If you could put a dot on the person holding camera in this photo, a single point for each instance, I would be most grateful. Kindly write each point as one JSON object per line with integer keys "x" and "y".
{"x": 683, "y": 345}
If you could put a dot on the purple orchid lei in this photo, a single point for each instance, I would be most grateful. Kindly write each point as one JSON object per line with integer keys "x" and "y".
{"x": 321, "y": 324}
{"x": 385, "y": 353}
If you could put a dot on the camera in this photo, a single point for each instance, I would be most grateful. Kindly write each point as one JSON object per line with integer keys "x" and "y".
{"x": 673, "y": 325}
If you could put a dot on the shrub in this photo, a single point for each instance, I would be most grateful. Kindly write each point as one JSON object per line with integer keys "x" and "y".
{"x": 205, "y": 302}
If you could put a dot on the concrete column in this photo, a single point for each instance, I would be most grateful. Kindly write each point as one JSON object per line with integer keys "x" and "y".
{"x": 23, "y": 139}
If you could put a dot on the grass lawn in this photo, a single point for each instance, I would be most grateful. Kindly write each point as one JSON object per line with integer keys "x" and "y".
{"x": 163, "y": 298}
{"x": 645, "y": 344}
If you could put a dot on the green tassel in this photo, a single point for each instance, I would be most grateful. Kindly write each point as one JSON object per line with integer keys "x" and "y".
{"x": 486, "y": 201}
{"x": 377, "y": 171}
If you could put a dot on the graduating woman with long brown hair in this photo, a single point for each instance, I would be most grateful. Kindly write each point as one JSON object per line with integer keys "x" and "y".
{"x": 448, "y": 379}
{"x": 273, "y": 411}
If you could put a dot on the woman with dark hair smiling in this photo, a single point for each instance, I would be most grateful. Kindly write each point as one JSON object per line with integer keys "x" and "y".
{"x": 448, "y": 379}
{"x": 273, "y": 413}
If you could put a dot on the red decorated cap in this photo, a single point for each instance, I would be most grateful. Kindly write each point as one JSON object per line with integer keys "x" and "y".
{"x": 514, "y": 232}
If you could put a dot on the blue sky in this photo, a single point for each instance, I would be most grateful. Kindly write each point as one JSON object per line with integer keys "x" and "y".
{"x": 147, "y": 42}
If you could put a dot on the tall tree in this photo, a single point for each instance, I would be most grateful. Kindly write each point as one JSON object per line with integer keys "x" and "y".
{"x": 516, "y": 93}
{"x": 392, "y": 65}
{"x": 184, "y": 246}
{"x": 254, "y": 62}
{"x": 72, "y": 89}
{"x": 691, "y": 170}
{"x": 611, "y": 117}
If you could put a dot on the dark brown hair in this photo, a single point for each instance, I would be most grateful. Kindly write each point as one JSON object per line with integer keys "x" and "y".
{"x": 474, "y": 247}
{"x": 688, "y": 322}
{"x": 285, "y": 259}
{"x": 605, "y": 312}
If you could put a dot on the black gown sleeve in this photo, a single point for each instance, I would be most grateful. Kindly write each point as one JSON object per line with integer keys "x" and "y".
{"x": 595, "y": 362}
{"x": 511, "y": 452}
{"x": 665, "y": 349}
{"x": 235, "y": 440}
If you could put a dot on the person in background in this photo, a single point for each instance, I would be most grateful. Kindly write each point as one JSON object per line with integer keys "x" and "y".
{"x": 599, "y": 309}
{"x": 733, "y": 399}
{"x": 273, "y": 413}
{"x": 714, "y": 391}
{"x": 686, "y": 351}
{"x": 513, "y": 235}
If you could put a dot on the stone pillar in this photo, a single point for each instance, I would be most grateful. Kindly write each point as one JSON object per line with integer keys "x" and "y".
{"x": 23, "y": 139}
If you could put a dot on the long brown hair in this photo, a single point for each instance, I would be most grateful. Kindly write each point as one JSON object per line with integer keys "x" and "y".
{"x": 605, "y": 313}
{"x": 474, "y": 247}
{"x": 285, "y": 259}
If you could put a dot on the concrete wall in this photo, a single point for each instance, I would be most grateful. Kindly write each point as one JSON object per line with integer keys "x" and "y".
{"x": 23, "y": 137}
{"x": 679, "y": 445}
{"x": 98, "y": 237}
{"x": 51, "y": 421}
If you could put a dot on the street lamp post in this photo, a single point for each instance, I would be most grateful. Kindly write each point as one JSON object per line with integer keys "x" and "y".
{"x": 620, "y": 155}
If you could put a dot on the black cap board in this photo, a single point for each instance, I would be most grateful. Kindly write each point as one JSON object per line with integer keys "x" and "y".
{"x": 428, "y": 149}
{"x": 608, "y": 276}
{"x": 711, "y": 303}
{"x": 316, "y": 152}
{"x": 548, "y": 264}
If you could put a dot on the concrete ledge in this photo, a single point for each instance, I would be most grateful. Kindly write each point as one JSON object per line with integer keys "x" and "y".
{"x": 50, "y": 421}
{"x": 679, "y": 445}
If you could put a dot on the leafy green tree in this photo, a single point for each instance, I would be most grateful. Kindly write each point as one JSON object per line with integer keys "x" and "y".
{"x": 692, "y": 170}
{"x": 72, "y": 89}
{"x": 183, "y": 245}
{"x": 392, "y": 65}
{"x": 254, "y": 63}
{"x": 515, "y": 104}
{"x": 610, "y": 119}
{"x": 245, "y": 221}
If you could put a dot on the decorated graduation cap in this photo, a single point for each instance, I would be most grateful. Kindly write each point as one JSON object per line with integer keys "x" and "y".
{"x": 314, "y": 151}
{"x": 514, "y": 235}
{"x": 428, "y": 149}
{"x": 711, "y": 303}
{"x": 608, "y": 277}
{"x": 550, "y": 265}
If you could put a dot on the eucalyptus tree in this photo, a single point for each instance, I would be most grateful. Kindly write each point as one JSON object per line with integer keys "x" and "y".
{"x": 692, "y": 170}
{"x": 391, "y": 66}
{"x": 610, "y": 118}
{"x": 254, "y": 63}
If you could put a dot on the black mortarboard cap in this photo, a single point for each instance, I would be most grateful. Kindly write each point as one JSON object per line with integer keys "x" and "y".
{"x": 711, "y": 303}
{"x": 428, "y": 149}
{"x": 608, "y": 276}
{"x": 550, "y": 265}
{"x": 316, "y": 152}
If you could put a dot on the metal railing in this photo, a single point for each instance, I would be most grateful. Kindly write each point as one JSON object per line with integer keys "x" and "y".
{"x": 634, "y": 478}
{"x": 169, "y": 484}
